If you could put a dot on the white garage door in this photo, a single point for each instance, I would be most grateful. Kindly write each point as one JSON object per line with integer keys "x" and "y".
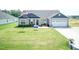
{"x": 59, "y": 23}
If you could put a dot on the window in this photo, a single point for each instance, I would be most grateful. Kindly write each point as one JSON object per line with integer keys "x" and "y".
{"x": 22, "y": 20}
{"x": 22, "y": 23}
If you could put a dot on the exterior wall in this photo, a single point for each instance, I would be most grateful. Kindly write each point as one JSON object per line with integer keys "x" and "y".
{"x": 5, "y": 21}
{"x": 59, "y": 22}
{"x": 11, "y": 20}
{"x": 40, "y": 21}
{"x": 43, "y": 21}
{"x": 26, "y": 21}
{"x": 54, "y": 22}
{"x": 32, "y": 20}
{"x": 50, "y": 22}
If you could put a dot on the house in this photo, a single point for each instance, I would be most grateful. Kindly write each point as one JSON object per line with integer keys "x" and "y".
{"x": 51, "y": 18}
{"x": 6, "y": 18}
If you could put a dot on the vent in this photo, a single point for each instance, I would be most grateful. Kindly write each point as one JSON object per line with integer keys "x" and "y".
{"x": 59, "y": 14}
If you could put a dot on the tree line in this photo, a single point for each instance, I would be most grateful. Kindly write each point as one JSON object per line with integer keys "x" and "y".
{"x": 15, "y": 13}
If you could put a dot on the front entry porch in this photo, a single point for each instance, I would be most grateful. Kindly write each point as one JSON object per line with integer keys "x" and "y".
{"x": 39, "y": 22}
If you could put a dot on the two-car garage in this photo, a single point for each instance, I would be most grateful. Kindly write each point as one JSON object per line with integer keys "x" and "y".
{"x": 59, "y": 20}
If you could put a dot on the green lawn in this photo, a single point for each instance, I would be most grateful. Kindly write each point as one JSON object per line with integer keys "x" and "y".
{"x": 13, "y": 38}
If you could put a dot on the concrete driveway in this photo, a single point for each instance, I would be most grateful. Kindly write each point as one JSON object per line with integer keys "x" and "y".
{"x": 70, "y": 33}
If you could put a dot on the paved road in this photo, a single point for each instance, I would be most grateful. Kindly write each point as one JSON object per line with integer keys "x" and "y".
{"x": 70, "y": 33}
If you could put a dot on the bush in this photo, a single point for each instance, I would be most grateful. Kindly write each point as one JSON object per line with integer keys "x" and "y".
{"x": 25, "y": 26}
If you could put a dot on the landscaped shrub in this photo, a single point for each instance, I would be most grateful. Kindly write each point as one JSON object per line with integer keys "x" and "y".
{"x": 25, "y": 26}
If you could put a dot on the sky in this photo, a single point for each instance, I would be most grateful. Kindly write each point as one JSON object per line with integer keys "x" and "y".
{"x": 68, "y": 7}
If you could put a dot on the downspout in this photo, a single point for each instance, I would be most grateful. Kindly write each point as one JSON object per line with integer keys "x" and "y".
{"x": 67, "y": 22}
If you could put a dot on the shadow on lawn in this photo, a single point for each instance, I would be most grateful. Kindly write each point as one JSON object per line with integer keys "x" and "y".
{"x": 20, "y": 27}
{"x": 21, "y": 31}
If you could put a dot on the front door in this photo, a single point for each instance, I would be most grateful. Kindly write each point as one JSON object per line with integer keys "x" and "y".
{"x": 37, "y": 22}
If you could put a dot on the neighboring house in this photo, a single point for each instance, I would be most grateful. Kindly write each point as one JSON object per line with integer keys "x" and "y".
{"x": 6, "y": 18}
{"x": 51, "y": 18}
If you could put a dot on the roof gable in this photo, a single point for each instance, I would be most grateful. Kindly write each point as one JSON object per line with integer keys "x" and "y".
{"x": 59, "y": 15}
{"x": 29, "y": 15}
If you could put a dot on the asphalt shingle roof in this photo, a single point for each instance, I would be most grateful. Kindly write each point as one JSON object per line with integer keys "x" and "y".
{"x": 59, "y": 15}
{"x": 29, "y": 15}
{"x": 43, "y": 13}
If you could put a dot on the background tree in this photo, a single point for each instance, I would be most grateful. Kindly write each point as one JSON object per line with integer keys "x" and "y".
{"x": 15, "y": 13}
{"x": 6, "y": 11}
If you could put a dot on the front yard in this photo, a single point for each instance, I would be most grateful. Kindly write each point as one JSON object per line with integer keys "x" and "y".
{"x": 14, "y": 38}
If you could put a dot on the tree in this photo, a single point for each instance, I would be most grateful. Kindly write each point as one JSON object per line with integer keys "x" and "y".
{"x": 15, "y": 13}
{"x": 6, "y": 11}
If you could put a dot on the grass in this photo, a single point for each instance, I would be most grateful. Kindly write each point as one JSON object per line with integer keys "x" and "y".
{"x": 13, "y": 38}
{"x": 74, "y": 22}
